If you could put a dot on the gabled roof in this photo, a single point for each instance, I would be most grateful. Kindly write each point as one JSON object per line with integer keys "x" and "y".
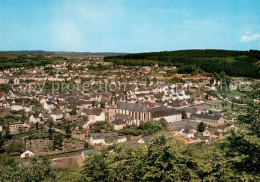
{"x": 123, "y": 116}
{"x": 85, "y": 132}
{"x": 163, "y": 111}
{"x": 92, "y": 112}
{"x": 56, "y": 112}
{"x": 118, "y": 122}
{"x": 100, "y": 135}
{"x": 146, "y": 139}
{"x": 45, "y": 114}
{"x": 140, "y": 107}
{"x": 187, "y": 131}
{"x": 80, "y": 124}
{"x": 178, "y": 103}
{"x": 191, "y": 110}
{"x": 206, "y": 116}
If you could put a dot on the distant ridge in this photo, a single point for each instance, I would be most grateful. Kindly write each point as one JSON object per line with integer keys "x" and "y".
{"x": 62, "y": 53}
{"x": 233, "y": 63}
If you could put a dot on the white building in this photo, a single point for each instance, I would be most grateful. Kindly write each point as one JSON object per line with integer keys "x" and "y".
{"x": 48, "y": 106}
{"x": 144, "y": 139}
{"x": 17, "y": 106}
{"x": 187, "y": 133}
{"x": 169, "y": 114}
{"x": 27, "y": 154}
{"x": 16, "y": 81}
{"x": 99, "y": 138}
{"x": 93, "y": 115}
{"x": 57, "y": 115}
{"x": 33, "y": 119}
{"x": 105, "y": 138}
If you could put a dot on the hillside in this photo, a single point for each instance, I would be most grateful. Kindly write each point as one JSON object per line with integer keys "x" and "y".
{"x": 234, "y": 63}
{"x": 62, "y": 53}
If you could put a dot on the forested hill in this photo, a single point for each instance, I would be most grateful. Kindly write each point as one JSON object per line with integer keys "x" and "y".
{"x": 234, "y": 63}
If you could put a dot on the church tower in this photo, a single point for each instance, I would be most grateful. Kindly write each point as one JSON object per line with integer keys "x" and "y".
{"x": 124, "y": 97}
{"x": 113, "y": 99}
{"x": 112, "y": 108}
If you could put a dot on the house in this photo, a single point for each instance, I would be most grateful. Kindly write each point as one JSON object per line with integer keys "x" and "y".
{"x": 83, "y": 124}
{"x": 169, "y": 114}
{"x": 199, "y": 138}
{"x": 222, "y": 128}
{"x": 177, "y": 104}
{"x": 190, "y": 110}
{"x": 14, "y": 128}
{"x": 23, "y": 77}
{"x": 145, "y": 139}
{"x": 4, "y": 104}
{"x": 27, "y": 154}
{"x": 99, "y": 138}
{"x": 17, "y": 106}
{"x": 119, "y": 124}
{"x": 44, "y": 115}
{"x": 2, "y": 96}
{"x": 43, "y": 100}
{"x": 207, "y": 118}
{"x": 120, "y": 139}
{"x": 34, "y": 119}
{"x": 11, "y": 95}
{"x": 71, "y": 117}
{"x": 141, "y": 91}
{"x": 27, "y": 108}
{"x": 61, "y": 105}
{"x": 207, "y": 133}
{"x": 56, "y": 115}
{"x": 94, "y": 115}
{"x": 198, "y": 101}
{"x": 48, "y": 106}
{"x": 16, "y": 81}
{"x": 121, "y": 120}
{"x": 187, "y": 133}
{"x": 218, "y": 135}
{"x": 40, "y": 78}
{"x": 84, "y": 133}
{"x": 106, "y": 138}
{"x": 4, "y": 79}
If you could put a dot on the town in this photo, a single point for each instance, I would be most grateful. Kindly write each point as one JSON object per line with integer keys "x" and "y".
{"x": 140, "y": 90}
{"x": 68, "y": 109}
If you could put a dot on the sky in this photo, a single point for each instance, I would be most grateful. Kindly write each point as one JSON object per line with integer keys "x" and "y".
{"x": 129, "y": 25}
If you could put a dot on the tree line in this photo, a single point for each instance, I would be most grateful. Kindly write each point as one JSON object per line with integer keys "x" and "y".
{"x": 233, "y": 63}
{"x": 9, "y": 61}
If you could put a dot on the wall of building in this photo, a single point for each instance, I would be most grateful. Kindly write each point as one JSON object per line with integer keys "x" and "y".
{"x": 170, "y": 119}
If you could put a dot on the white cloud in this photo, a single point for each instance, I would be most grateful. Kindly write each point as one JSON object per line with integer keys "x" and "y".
{"x": 249, "y": 38}
{"x": 68, "y": 36}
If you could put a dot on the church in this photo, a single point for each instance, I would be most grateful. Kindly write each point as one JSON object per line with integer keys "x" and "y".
{"x": 122, "y": 113}
{"x": 138, "y": 112}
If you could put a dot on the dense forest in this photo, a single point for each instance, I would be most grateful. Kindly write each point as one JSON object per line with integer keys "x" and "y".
{"x": 12, "y": 61}
{"x": 233, "y": 63}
